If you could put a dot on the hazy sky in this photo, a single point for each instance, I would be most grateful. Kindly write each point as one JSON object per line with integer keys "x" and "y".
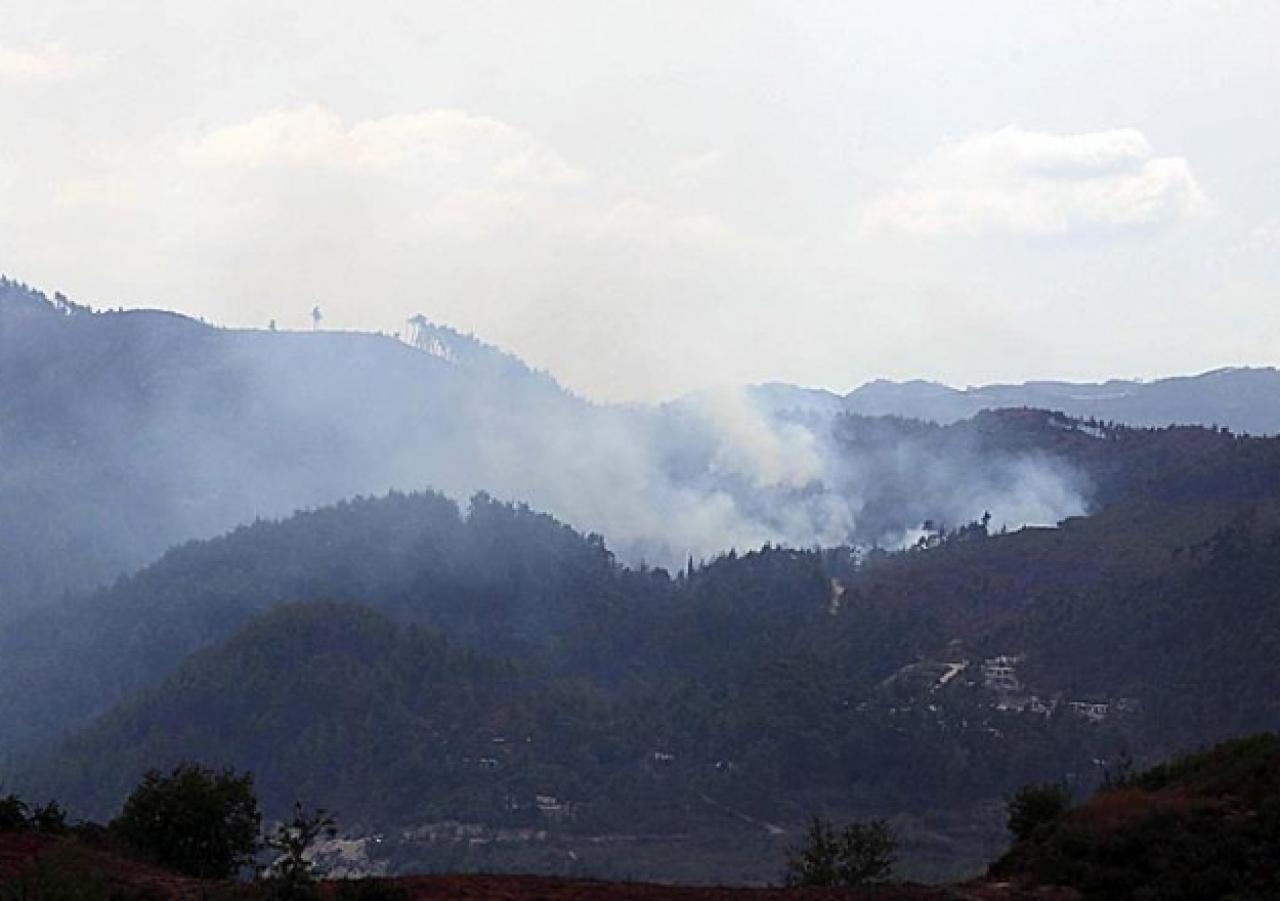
{"x": 650, "y": 197}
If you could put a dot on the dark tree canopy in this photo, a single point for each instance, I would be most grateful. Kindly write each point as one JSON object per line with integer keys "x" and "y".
{"x": 1033, "y": 806}
{"x": 858, "y": 854}
{"x": 196, "y": 820}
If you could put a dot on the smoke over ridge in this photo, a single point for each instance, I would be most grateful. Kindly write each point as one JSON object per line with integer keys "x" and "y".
{"x": 124, "y": 433}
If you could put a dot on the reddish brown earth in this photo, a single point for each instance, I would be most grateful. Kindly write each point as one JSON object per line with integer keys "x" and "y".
{"x": 18, "y": 853}
{"x": 22, "y": 852}
{"x": 541, "y": 888}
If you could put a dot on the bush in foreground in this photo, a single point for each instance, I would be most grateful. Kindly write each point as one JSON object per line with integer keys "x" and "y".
{"x": 858, "y": 854}
{"x": 195, "y": 820}
{"x": 1033, "y": 806}
{"x": 1204, "y": 825}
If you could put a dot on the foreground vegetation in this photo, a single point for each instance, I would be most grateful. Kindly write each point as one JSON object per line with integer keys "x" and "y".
{"x": 194, "y": 822}
{"x": 1201, "y": 826}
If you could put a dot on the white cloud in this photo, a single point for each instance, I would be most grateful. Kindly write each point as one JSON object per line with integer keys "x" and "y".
{"x": 501, "y": 230}
{"x": 49, "y": 62}
{"x": 429, "y": 173}
{"x": 443, "y": 142}
{"x": 442, "y": 172}
{"x": 1038, "y": 183}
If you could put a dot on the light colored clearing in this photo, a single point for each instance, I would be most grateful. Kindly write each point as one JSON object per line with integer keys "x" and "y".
{"x": 953, "y": 670}
{"x": 837, "y": 592}
{"x": 771, "y": 828}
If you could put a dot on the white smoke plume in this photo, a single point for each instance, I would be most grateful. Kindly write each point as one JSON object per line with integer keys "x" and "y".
{"x": 225, "y": 426}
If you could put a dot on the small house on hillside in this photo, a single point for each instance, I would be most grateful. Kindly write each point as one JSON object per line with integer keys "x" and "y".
{"x": 1001, "y": 674}
{"x": 1096, "y": 711}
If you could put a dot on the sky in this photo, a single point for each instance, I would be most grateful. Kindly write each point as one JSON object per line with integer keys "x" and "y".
{"x": 648, "y": 198}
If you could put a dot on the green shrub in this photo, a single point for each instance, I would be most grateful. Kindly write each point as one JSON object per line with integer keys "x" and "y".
{"x": 1033, "y": 806}
{"x": 49, "y": 819}
{"x": 14, "y": 814}
{"x": 17, "y": 815}
{"x": 858, "y": 854}
{"x": 195, "y": 820}
{"x": 292, "y": 839}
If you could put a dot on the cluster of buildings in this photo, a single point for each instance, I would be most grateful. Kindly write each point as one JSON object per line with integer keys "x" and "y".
{"x": 1000, "y": 675}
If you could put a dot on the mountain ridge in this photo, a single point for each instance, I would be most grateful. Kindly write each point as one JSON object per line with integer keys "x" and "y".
{"x": 124, "y": 433}
{"x": 1243, "y": 399}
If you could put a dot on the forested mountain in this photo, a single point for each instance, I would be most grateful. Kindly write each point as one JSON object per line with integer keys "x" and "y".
{"x": 123, "y": 433}
{"x": 765, "y": 685}
{"x": 503, "y": 577}
{"x": 508, "y": 579}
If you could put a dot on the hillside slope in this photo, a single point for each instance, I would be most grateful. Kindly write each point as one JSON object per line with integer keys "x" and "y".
{"x": 1204, "y": 825}
{"x": 509, "y": 580}
{"x": 123, "y": 433}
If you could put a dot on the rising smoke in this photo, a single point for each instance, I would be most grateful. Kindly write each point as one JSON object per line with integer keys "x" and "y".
{"x": 133, "y": 431}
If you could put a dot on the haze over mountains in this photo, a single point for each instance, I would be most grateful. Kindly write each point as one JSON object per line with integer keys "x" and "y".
{"x": 481, "y": 663}
{"x": 1241, "y": 399}
{"x": 125, "y": 432}
{"x": 842, "y": 583}
{"x": 610, "y": 446}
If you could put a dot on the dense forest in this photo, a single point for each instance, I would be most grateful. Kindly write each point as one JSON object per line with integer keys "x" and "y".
{"x": 408, "y": 663}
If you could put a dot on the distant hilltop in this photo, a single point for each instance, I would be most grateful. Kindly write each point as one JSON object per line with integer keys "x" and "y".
{"x": 1245, "y": 400}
